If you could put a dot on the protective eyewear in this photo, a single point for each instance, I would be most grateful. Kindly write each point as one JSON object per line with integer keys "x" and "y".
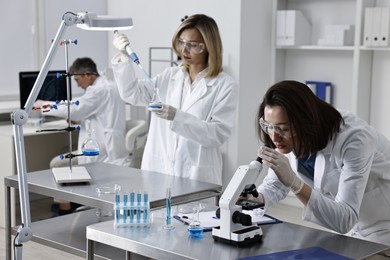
{"x": 194, "y": 47}
{"x": 82, "y": 74}
{"x": 269, "y": 129}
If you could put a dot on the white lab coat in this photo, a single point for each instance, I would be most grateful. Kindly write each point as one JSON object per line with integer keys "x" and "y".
{"x": 351, "y": 188}
{"x": 188, "y": 146}
{"x": 102, "y": 105}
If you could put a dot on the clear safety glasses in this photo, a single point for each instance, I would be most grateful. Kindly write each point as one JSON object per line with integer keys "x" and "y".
{"x": 194, "y": 47}
{"x": 283, "y": 131}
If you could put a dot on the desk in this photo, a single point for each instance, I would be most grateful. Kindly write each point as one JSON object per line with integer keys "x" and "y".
{"x": 158, "y": 243}
{"x": 42, "y": 182}
{"x": 40, "y": 149}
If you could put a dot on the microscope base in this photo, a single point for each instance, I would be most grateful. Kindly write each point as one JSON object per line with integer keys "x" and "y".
{"x": 240, "y": 237}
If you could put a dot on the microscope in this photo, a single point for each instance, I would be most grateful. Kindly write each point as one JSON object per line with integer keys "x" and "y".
{"x": 236, "y": 228}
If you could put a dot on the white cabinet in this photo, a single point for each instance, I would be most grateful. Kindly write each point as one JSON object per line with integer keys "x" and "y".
{"x": 358, "y": 73}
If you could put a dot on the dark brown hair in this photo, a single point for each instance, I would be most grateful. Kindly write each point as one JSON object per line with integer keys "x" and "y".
{"x": 313, "y": 121}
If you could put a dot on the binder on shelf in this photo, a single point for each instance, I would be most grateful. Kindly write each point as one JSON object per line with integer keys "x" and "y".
{"x": 323, "y": 90}
{"x": 384, "y": 31}
{"x": 292, "y": 28}
{"x": 376, "y": 27}
{"x": 367, "y": 35}
{"x": 280, "y": 27}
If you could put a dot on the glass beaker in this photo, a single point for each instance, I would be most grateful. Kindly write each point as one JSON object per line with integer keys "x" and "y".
{"x": 90, "y": 147}
{"x": 156, "y": 100}
{"x": 195, "y": 229}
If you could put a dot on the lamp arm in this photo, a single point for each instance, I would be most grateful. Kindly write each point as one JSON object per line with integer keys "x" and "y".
{"x": 19, "y": 118}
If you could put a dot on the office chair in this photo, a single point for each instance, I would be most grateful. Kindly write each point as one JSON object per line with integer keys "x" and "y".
{"x": 135, "y": 139}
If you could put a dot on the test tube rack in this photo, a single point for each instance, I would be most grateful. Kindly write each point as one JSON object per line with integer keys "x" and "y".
{"x": 128, "y": 214}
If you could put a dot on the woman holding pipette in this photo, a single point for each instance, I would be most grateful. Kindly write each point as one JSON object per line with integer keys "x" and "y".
{"x": 196, "y": 110}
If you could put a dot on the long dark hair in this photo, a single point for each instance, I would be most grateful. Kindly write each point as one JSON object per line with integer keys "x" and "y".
{"x": 313, "y": 121}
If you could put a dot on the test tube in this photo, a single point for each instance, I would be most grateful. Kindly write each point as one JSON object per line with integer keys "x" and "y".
{"x": 168, "y": 224}
{"x": 146, "y": 200}
{"x": 117, "y": 211}
{"x": 125, "y": 209}
{"x": 139, "y": 198}
{"x": 132, "y": 207}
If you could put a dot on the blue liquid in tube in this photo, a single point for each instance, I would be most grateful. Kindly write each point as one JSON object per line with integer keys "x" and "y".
{"x": 195, "y": 231}
{"x": 91, "y": 152}
{"x": 132, "y": 209}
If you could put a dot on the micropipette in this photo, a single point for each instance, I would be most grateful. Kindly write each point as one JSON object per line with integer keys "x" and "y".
{"x": 156, "y": 96}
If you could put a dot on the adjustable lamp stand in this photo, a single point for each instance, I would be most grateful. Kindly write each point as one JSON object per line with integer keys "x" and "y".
{"x": 19, "y": 117}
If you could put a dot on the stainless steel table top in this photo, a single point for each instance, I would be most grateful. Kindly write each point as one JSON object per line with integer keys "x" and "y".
{"x": 42, "y": 182}
{"x": 130, "y": 179}
{"x": 158, "y": 243}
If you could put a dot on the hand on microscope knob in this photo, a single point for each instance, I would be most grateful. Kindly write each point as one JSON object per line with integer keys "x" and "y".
{"x": 166, "y": 111}
{"x": 280, "y": 164}
{"x": 120, "y": 42}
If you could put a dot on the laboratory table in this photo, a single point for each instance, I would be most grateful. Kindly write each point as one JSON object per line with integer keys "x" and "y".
{"x": 158, "y": 243}
{"x": 130, "y": 179}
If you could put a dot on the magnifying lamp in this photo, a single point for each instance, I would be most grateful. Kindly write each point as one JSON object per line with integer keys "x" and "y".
{"x": 88, "y": 21}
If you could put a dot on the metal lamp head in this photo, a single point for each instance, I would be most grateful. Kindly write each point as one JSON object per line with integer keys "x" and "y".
{"x": 91, "y": 21}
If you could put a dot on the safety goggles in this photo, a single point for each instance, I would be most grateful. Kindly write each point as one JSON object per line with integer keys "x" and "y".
{"x": 193, "y": 47}
{"x": 282, "y": 131}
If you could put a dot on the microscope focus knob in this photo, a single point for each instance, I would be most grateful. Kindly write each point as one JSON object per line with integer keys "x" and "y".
{"x": 242, "y": 218}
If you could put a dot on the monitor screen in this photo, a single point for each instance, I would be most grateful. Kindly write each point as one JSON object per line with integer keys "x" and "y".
{"x": 53, "y": 88}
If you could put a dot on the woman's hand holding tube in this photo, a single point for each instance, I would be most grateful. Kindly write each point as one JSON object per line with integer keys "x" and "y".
{"x": 165, "y": 111}
{"x": 281, "y": 166}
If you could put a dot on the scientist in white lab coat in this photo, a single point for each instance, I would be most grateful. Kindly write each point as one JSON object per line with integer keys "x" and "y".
{"x": 103, "y": 107}
{"x": 198, "y": 103}
{"x": 337, "y": 165}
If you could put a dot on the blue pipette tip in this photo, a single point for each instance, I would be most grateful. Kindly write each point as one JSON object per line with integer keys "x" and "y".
{"x": 62, "y": 157}
{"x": 77, "y": 102}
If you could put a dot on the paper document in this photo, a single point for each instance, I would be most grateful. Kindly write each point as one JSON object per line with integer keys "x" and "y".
{"x": 208, "y": 220}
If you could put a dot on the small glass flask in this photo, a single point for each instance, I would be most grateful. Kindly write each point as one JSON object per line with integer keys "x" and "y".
{"x": 195, "y": 230}
{"x": 156, "y": 100}
{"x": 90, "y": 147}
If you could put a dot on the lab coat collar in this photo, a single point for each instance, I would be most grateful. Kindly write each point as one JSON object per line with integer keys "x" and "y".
{"x": 319, "y": 168}
{"x": 199, "y": 92}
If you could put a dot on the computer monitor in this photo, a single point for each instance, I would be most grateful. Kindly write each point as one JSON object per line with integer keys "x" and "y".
{"x": 53, "y": 88}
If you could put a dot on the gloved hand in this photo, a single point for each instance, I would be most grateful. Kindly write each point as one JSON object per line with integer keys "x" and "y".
{"x": 120, "y": 42}
{"x": 163, "y": 111}
{"x": 41, "y": 105}
{"x": 281, "y": 166}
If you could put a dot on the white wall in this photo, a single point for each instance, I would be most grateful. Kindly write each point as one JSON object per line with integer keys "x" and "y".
{"x": 34, "y": 24}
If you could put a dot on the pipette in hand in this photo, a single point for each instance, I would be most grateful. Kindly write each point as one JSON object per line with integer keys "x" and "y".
{"x": 132, "y": 54}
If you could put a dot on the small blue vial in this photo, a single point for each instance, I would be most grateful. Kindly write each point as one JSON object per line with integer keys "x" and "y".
{"x": 117, "y": 211}
{"x": 146, "y": 200}
{"x": 132, "y": 207}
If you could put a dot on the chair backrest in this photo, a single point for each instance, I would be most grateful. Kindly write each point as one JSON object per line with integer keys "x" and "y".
{"x": 136, "y": 134}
